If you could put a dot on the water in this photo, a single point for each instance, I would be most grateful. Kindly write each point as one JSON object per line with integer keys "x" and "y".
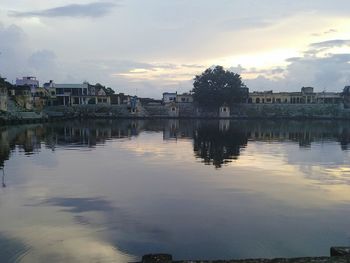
{"x": 111, "y": 191}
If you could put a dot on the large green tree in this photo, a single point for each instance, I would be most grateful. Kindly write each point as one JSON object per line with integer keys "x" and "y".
{"x": 217, "y": 86}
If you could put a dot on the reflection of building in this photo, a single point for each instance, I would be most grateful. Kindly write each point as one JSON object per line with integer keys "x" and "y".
{"x": 178, "y": 130}
{"x": 305, "y": 96}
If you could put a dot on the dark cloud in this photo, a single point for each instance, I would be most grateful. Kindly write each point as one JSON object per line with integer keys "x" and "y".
{"x": 97, "y": 9}
{"x": 329, "y": 31}
{"x": 329, "y": 73}
{"x": 331, "y": 43}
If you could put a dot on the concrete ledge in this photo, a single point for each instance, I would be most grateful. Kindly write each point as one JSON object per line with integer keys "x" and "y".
{"x": 338, "y": 255}
{"x": 260, "y": 260}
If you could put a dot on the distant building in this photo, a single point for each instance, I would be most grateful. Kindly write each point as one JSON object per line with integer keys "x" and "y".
{"x": 305, "y": 96}
{"x": 23, "y": 96}
{"x": 184, "y": 98}
{"x": 3, "y": 99}
{"x": 169, "y": 97}
{"x": 29, "y": 81}
{"x": 80, "y": 94}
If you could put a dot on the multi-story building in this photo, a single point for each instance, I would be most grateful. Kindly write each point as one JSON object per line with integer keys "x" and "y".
{"x": 29, "y": 81}
{"x": 80, "y": 94}
{"x": 184, "y": 98}
{"x": 305, "y": 96}
{"x": 169, "y": 97}
{"x": 3, "y": 99}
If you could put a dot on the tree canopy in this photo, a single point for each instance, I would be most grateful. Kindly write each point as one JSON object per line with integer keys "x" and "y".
{"x": 217, "y": 86}
{"x": 109, "y": 91}
{"x": 4, "y": 83}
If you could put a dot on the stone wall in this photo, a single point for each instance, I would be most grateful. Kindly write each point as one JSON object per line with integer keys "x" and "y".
{"x": 291, "y": 111}
{"x": 187, "y": 110}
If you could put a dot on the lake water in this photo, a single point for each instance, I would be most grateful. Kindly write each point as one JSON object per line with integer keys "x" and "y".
{"x": 111, "y": 191}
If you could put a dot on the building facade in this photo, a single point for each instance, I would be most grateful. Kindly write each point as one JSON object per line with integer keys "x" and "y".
{"x": 305, "y": 96}
{"x": 29, "y": 81}
{"x": 80, "y": 94}
{"x": 169, "y": 97}
{"x": 184, "y": 98}
{"x": 3, "y": 99}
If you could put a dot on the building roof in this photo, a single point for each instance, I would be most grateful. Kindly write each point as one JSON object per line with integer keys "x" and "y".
{"x": 71, "y": 86}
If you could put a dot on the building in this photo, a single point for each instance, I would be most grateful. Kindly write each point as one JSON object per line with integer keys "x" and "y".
{"x": 3, "y": 99}
{"x": 184, "y": 98}
{"x": 329, "y": 98}
{"x": 80, "y": 94}
{"x": 41, "y": 98}
{"x": 3, "y": 94}
{"x": 29, "y": 81}
{"x": 169, "y": 97}
{"x": 23, "y": 97}
{"x": 305, "y": 96}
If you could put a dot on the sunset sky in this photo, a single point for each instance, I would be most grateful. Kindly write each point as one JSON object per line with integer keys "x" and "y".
{"x": 152, "y": 46}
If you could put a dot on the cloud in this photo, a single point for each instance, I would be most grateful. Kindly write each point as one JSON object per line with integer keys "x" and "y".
{"x": 247, "y": 23}
{"x": 42, "y": 59}
{"x": 330, "y": 72}
{"x": 329, "y": 31}
{"x": 23, "y": 60}
{"x": 331, "y": 43}
{"x": 97, "y": 9}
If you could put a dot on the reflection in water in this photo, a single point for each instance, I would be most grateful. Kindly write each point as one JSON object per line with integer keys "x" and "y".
{"x": 3, "y": 178}
{"x": 218, "y": 143}
{"x": 100, "y": 191}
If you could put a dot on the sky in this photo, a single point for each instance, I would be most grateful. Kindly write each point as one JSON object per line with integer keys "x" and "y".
{"x": 154, "y": 46}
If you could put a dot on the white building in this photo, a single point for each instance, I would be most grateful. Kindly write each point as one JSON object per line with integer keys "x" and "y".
{"x": 184, "y": 98}
{"x": 169, "y": 97}
{"x": 80, "y": 94}
{"x": 29, "y": 81}
{"x": 69, "y": 94}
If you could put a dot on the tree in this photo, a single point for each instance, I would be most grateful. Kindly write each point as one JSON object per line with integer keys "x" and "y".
{"x": 109, "y": 91}
{"x": 217, "y": 86}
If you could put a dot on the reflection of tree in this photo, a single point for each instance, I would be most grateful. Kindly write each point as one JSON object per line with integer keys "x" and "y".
{"x": 3, "y": 178}
{"x": 216, "y": 146}
{"x": 344, "y": 139}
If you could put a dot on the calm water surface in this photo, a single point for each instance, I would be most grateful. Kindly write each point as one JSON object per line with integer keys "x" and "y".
{"x": 111, "y": 191}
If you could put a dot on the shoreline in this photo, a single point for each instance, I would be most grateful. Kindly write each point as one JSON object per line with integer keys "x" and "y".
{"x": 20, "y": 121}
{"x": 180, "y": 112}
